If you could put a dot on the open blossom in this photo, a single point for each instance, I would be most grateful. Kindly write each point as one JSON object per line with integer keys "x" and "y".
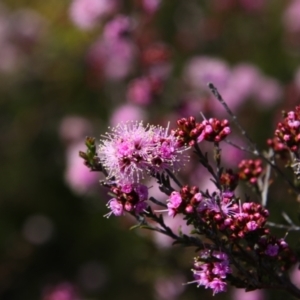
{"x": 173, "y": 203}
{"x": 132, "y": 149}
{"x": 86, "y": 13}
{"x": 291, "y": 16}
{"x": 118, "y": 27}
{"x": 209, "y": 273}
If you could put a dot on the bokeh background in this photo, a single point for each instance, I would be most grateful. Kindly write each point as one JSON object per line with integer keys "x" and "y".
{"x": 69, "y": 69}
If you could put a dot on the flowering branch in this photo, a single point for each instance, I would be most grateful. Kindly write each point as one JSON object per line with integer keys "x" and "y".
{"x": 239, "y": 248}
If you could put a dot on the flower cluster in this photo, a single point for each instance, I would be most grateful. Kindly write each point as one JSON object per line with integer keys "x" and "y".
{"x": 127, "y": 197}
{"x": 210, "y": 270}
{"x": 229, "y": 180}
{"x": 288, "y": 131}
{"x": 191, "y": 132}
{"x": 250, "y": 170}
{"x": 185, "y": 201}
{"x": 279, "y": 148}
{"x": 251, "y": 217}
{"x": 240, "y": 243}
{"x": 131, "y": 150}
{"x": 275, "y": 252}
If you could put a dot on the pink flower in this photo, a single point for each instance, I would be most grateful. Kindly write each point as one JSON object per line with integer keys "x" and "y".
{"x": 291, "y": 16}
{"x": 62, "y": 291}
{"x": 127, "y": 112}
{"x": 114, "y": 58}
{"x": 217, "y": 285}
{"x": 86, "y": 13}
{"x": 116, "y": 207}
{"x": 169, "y": 288}
{"x": 151, "y": 6}
{"x": 131, "y": 150}
{"x": 128, "y": 197}
{"x": 74, "y": 129}
{"x": 199, "y": 71}
{"x": 209, "y": 273}
{"x": 268, "y": 92}
{"x": 251, "y": 225}
{"x": 241, "y": 294}
{"x": 77, "y": 176}
{"x": 272, "y": 250}
{"x": 139, "y": 91}
{"x": 173, "y": 203}
{"x": 117, "y": 27}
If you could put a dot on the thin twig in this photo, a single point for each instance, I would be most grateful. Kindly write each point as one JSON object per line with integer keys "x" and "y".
{"x": 234, "y": 117}
{"x": 171, "y": 175}
{"x": 282, "y": 226}
{"x": 265, "y": 187}
{"x": 255, "y": 151}
{"x": 237, "y": 146}
{"x": 205, "y": 163}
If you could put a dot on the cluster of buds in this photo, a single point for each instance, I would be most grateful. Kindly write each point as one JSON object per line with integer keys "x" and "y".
{"x": 250, "y": 170}
{"x": 210, "y": 270}
{"x": 279, "y": 148}
{"x": 221, "y": 212}
{"x": 276, "y": 250}
{"x": 128, "y": 197}
{"x": 191, "y": 132}
{"x": 229, "y": 180}
{"x": 155, "y": 54}
{"x": 251, "y": 217}
{"x": 237, "y": 230}
{"x": 186, "y": 201}
{"x": 288, "y": 131}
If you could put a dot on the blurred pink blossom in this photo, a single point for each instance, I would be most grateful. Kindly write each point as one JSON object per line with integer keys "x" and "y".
{"x": 169, "y": 288}
{"x": 236, "y": 85}
{"x": 243, "y": 78}
{"x": 77, "y": 176}
{"x": 74, "y": 129}
{"x": 112, "y": 59}
{"x": 268, "y": 92}
{"x": 297, "y": 78}
{"x": 20, "y": 31}
{"x": 232, "y": 156}
{"x": 151, "y": 6}
{"x": 191, "y": 104}
{"x": 160, "y": 70}
{"x": 86, "y": 13}
{"x": 199, "y": 71}
{"x": 295, "y": 276}
{"x": 241, "y": 294}
{"x": 62, "y": 291}
{"x": 139, "y": 91}
{"x": 27, "y": 27}
{"x": 117, "y": 27}
{"x": 291, "y": 16}
{"x": 127, "y": 112}
{"x": 252, "y": 5}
